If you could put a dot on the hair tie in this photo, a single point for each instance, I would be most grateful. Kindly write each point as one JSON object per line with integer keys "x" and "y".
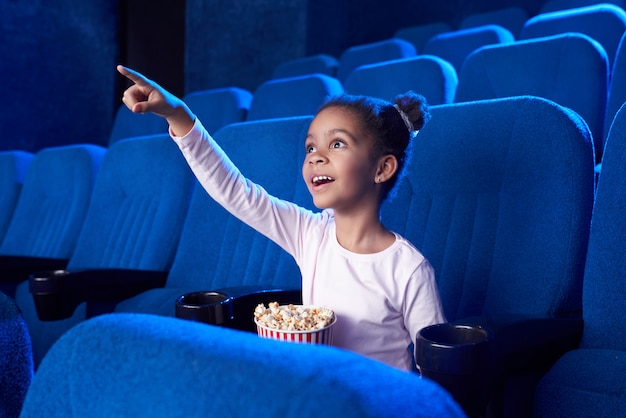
{"x": 406, "y": 120}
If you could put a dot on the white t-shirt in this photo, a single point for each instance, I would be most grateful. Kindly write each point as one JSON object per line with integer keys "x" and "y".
{"x": 381, "y": 300}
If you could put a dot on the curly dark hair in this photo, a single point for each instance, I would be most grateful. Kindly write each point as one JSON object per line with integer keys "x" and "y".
{"x": 383, "y": 121}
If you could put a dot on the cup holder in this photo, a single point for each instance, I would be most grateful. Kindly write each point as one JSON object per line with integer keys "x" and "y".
{"x": 209, "y": 307}
{"x": 457, "y": 357}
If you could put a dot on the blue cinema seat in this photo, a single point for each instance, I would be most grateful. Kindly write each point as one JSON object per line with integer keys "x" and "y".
{"x": 418, "y": 35}
{"x": 455, "y": 46}
{"x": 136, "y": 365}
{"x": 318, "y": 63}
{"x": 218, "y": 251}
{"x": 430, "y": 76}
{"x": 603, "y": 22}
{"x": 498, "y": 197}
{"x": 511, "y": 18}
{"x": 127, "y": 124}
{"x": 49, "y": 213}
{"x": 219, "y": 107}
{"x": 571, "y": 70}
{"x": 16, "y": 364}
{"x": 370, "y": 53}
{"x": 557, "y": 5}
{"x": 133, "y": 224}
{"x": 292, "y": 96}
{"x": 13, "y": 168}
{"x": 590, "y": 381}
{"x": 617, "y": 86}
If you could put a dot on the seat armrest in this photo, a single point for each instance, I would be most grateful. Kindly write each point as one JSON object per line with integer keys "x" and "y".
{"x": 57, "y": 293}
{"x": 19, "y": 268}
{"x": 246, "y": 298}
{"x": 471, "y": 357}
{"x": 526, "y": 342}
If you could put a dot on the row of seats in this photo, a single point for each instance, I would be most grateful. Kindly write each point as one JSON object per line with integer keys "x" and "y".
{"x": 487, "y": 202}
{"x": 574, "y": 58}
{"x": 511, "y": 18}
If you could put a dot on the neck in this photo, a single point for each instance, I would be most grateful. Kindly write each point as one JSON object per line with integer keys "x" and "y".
{"x": 362, "y": 232}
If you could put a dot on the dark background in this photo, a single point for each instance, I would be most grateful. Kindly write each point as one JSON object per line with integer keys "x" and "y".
{"x": 58, "y": 83}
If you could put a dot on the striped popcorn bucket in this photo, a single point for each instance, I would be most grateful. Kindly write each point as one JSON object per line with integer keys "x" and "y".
{"x": 317, "y": 336}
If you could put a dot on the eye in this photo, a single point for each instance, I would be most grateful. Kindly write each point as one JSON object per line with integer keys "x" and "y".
{"x": 310, "y": 149}
{"x": 337, "y": 144}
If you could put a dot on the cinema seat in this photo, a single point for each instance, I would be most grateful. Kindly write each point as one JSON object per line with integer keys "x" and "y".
{"x": 292, "y": 96}
{"x": 219, "y": 107}
{"x": 617, "y": 86}
{"x": 133, "y": 223}
{"x": 511, "y": 18}
{"x": 589, "y": 381}
{"x": 455, "y": 46}
{"x": 135, "y": 365}
{"x": 418, "y": 35}
{"x": 370, "y": 53}
{"x": 557, "y": 5}
{"x": 127, "y": 124}
{"x": 498, "y": 197}
{"x": 430, "y": 76}
{"x": 49, "y": 213}
{"x": 603, "y": 22}
{"x": 570, "y": 69}
{"x": 318, "y": 63}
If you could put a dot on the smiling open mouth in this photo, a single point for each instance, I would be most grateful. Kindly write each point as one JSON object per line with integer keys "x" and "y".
{"x": 319, "y": 180}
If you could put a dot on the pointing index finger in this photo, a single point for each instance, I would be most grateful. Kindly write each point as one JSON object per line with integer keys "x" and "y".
{"x": 133, "y": 76}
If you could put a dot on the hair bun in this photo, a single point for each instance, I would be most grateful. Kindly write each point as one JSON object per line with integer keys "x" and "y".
{"x": 415, "y": 107}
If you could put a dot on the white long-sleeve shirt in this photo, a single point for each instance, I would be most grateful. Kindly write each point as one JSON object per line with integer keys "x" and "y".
{"x": 381, "y": 300}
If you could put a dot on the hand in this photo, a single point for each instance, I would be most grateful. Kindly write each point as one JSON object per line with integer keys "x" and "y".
{"x": 147, "y": 96}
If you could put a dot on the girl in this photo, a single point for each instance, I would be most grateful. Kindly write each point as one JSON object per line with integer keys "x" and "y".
{"x": 381, "y": 288}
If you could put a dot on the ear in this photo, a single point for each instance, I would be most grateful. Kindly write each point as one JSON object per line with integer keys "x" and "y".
{"x": 387, "y": 167}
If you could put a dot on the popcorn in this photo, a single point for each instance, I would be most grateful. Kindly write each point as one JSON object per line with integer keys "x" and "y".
{"x": 293, "y": 317}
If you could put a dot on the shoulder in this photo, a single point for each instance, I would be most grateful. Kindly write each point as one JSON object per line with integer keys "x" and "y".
{"x": 410, "y": 258}
{"x": 406, "y": 248}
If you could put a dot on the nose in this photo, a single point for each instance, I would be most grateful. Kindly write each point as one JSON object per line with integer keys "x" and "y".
{"x": 316, "y": 158}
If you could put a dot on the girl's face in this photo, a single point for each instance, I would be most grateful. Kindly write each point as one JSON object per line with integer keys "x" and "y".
{"x": 340, "y": 166}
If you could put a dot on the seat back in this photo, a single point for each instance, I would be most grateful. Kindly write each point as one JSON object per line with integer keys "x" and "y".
{"x": 430, "y": 76}
{"x": 128, "y": 124}
{"x": 293, "y": 96}
{"x": 418, "y": 35}
{"x": 386, "y": 50}
{"x": 604, "y": 23}
{"x": 318, "y": 63}
{"x": 219, "y": 107}
{"x": 133, "y": 221}
{"x": 498, "y": 197}
{"x": 138, "y": 207}
{"x": 604, "y": 290}
{"x": 16, "y": 364}
{"x": 216, "y": 249}
{"x": 569, "y": 69}
{"x": 617, "y": 86}
{"x": 512, "y": 18}
{"x": 455, "y": 46}
{"x": 557, "y": 5}
{"x": 54, "y": 200}
{"x": 146, "y": 365}
{"x": 13, "y": 168}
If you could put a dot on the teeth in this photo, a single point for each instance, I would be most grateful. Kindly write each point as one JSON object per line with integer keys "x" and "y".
{"x": 319, "y": 179}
